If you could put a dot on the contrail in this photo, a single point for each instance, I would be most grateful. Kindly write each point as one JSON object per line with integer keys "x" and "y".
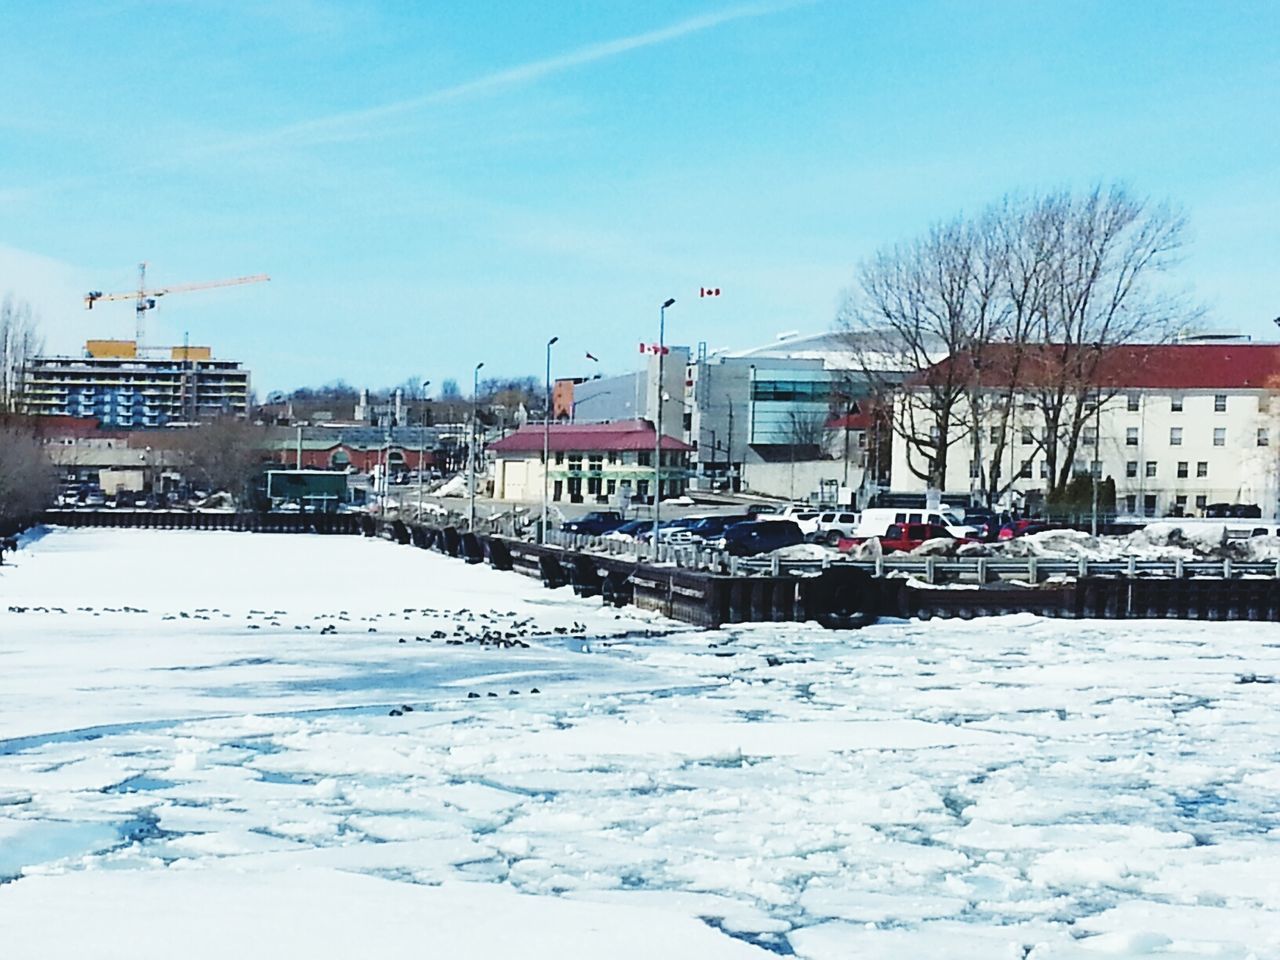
{"x": 336, "y": 123}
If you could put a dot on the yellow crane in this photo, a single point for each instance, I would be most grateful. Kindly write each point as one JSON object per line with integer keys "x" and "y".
{"x": 145, "y": 299}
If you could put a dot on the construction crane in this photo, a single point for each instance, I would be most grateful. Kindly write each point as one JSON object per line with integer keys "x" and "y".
{"x": 145, "y": 299}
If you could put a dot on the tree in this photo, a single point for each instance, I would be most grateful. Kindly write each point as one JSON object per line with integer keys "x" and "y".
{"x": 984, "y": 319}
{"x": 20, "y": 343}
{"x": 223, "y": 454}
{"x": 28, "y": 480}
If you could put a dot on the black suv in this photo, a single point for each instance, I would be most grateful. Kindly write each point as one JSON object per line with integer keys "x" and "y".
{"x": 760, "y": 536}
{"x": 594, "y": 524}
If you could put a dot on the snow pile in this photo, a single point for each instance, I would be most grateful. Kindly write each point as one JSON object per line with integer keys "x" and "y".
{"x": 802, "y": 551}
{"x": 453, "y": 487}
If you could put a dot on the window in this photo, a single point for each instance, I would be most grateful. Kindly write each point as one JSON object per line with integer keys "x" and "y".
{"x": 642, "y": 488}
{"x": 613, "y": 456}
{"x": 575, "y": 461}
{"x": 1151, "y": 468}
{"x": 1219, "y": 436}
{"x": 1131, "y": 468}
{"x": 973, "y": 469}
{"x": 1175, "y": 404}
{"x": 1202, "y": 501}
{"x": 1133, "y": 403}
{"x": 1149, "y": 505}
{"x": 791, "y": 390}
{"x": 1175, "y": 436}
{"x": 1131, "y": 437}
{"x": 559, "y": 456}
{"x": 1219, "y": 403}
{"x": 1025, "y": 472}
{"x": 1181, "y": 502}
{"x": 645, "y": 458}
{"x": 595, "y": 462}
{"x": 1264, "y": 437}
{"x": 1028, "y": 436}
{"x": 612, "y": 487}
{"x": 1202, "y": 468}
{"x": 1131, "y": 503}
{"x": 993, "y": 435}
{"x": 1096, "y": 468}
{"x": 593, "y": 486}
{"x": 1089, "y": 437}
{"x": 1044, "y": 469}
{"x": 1182, "y": 469}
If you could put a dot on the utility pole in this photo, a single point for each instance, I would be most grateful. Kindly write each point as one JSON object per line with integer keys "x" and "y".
{"x": 422, "y": 445}
{"x": 657, "y": 441}
{"x": 471, "y": 447}
{"x": 546, "y": 445}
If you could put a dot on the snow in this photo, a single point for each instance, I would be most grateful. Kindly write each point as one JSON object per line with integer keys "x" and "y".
{"x": 197, "y": 747}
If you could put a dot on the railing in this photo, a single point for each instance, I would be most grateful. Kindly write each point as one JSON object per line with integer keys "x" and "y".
{"x": 933, "y": 569}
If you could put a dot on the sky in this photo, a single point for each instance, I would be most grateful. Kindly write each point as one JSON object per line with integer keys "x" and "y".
{"x": 432, "y": 185}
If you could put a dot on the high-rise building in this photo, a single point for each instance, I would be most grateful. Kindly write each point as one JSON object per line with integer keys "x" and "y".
{"x": 123, "y": 386}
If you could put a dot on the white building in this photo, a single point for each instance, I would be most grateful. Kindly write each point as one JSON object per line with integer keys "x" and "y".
{"x": 1181, "y": 427}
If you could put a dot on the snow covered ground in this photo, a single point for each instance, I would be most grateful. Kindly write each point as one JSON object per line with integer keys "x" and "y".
{"x": 206, "y": 748}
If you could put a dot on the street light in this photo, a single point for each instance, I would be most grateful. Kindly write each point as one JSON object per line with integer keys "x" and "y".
{"x": 657, "y": 440}
{"x": 471, "y": 447}
{"x": 422, "y": 444}
{"x": 546, "y": 445}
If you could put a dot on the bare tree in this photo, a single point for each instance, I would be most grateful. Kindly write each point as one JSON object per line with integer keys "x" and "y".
{"x": 1103, "y": 290}
{"x": 911, "y": 306}
{"x": 20, "y": 343}
{"x": 28, "y": 480}
{"x": 1025, "y": 303}
{"x": 223, "y": 454}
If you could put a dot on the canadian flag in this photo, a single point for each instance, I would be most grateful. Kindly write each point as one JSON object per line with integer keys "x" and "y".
{"x": 708, "y": 291}
{"x": 654, "y": 349}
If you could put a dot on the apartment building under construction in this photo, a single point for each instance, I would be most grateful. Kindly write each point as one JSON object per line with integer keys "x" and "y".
{"x": 123, "y": 386}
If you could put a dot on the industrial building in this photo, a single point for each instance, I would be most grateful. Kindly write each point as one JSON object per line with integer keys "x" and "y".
{"x": 125, "y": 387}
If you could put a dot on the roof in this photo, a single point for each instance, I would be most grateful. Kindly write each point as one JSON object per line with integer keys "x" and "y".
{"x": 620, "y": 435}
{"x": 1141, "y": 366}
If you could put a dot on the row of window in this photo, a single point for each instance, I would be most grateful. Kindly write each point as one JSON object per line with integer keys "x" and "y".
{"x": 1089, "y": 437}
{"x": 1183, "y": 471}
{"x": 596, "y": 461}
{"x": 1184, "y": 466}
{"x": 1149, "y": 504}
{"x": 792, "y": 390}
{"x": 1175, "y": 403}
{"x": 1262, "y": 438}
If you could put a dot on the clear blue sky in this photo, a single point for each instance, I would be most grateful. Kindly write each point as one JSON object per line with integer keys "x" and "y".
{"x": 431, "y": 185}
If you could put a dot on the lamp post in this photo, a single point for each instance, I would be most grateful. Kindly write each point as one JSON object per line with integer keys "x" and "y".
{"x": 422, "y": 444}
{"x": 471, "y": 447}
{"x": 657, "y": 439}
{"x": 546, "y": 445}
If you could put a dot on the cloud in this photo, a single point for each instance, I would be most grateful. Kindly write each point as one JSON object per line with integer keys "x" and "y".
{"x": 357, "y": 123}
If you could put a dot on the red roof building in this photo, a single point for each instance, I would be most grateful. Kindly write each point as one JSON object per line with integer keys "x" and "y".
{"x": 601, "y": 463}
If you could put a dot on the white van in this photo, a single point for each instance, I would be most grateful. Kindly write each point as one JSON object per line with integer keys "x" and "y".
{"x": 875, "y": 521}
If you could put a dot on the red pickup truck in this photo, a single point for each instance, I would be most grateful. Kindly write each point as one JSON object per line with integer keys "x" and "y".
{"x": 905, "y": 537}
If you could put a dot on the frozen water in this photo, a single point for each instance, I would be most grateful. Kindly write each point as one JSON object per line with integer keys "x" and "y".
{"x": 218, "y": 740}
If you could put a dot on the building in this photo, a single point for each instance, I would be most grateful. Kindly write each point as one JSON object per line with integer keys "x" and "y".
{"x": 124, "y": 387}
{"x": 355, "y": 448}
{"x": 607, "y": 463}
{"x": 1179, "y": 427}
{"x": 628, "y": 396}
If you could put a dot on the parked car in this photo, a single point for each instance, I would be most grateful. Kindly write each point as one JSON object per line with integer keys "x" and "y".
{"x": 594, "y": 524}
{"x": 760, "y": 536}
{"x": 875, "y": 521}
{"x": 95, "y": 499}
{"x": 905, "y": 537}
{"x": 710, "y": 529}
{"x": 668, "y": 529}
{"x": 833, "y": 525}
